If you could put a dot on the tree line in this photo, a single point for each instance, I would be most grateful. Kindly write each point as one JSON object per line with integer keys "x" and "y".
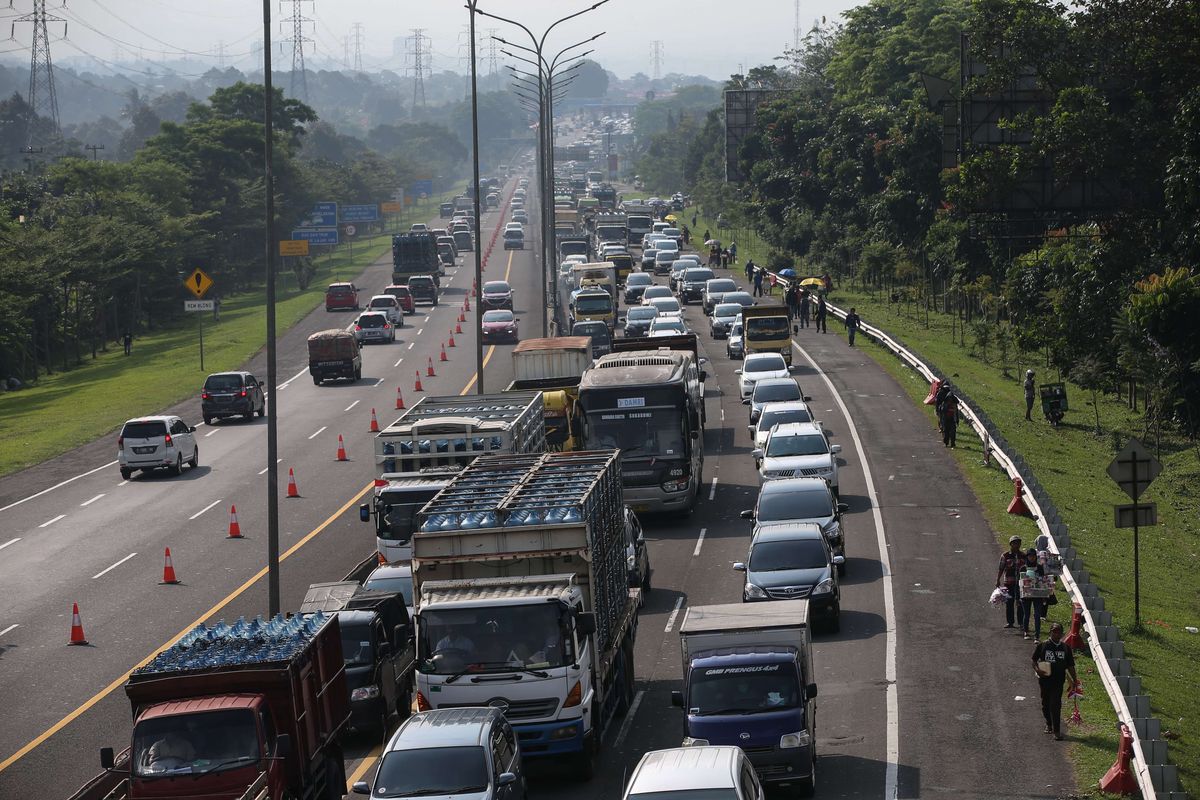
{"x": 846, "y": 176}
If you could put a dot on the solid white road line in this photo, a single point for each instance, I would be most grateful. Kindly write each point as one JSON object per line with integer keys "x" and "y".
{"x": 89, "y": 502}
{"x": 629, "y": 715}
{"x": 10, "y": 541}
{"x": 674, "y": 614}
{"x": 114, "y": 566}
{"x": 699, "y": 542}
{"x": 50, "y": 522}
{"x": 319, "y": 432}
{"x": 57, "y": 485}
{"x": 352, "y": 405}
{"x": 9, "y": 628}
{"x": 206, "y": 508}
{"x": 289, "y": 380}
{"x": 210, "y": 433}
{"x": 712, "y": 492}
{"x": 890, "y": 778}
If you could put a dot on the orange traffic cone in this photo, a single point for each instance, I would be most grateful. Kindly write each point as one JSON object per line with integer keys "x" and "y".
{"x": 467, "y": 304}
{"x": 474, "y": 287}
{"x": 375, "y": 420}
{"x": 76, "y": 626}
{"x": 451, "y": 342}
{"x": 462, "y": 317}
{"x": 293, "y": 491}
{"x": 443, "y": 357}
{"x": 418, "y": 387}
{"x": 169, "y": 570}
{"x": 341, "y": 453}
{"x": 458, "y": 326}
{"x": 235, "y": 530}
{"x": 379, "y": 559}
{"x": 429, "y": 373}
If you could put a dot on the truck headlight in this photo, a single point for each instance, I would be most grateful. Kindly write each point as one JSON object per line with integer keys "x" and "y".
{"x": 754, "y": 592}
{"x": 629, "y": 562}
{"x": 364, "y": 693}
{"x": 675, "y": 486}
{"x": 688, "y": 741}
{"x": 824, "y": 587}
{"x": 790, "y": 740}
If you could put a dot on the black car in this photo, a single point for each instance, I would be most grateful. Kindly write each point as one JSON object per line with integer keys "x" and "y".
{"x": 423, "y": 289}
{"x": 635, "y": 285}
{"x": 637, "y": 555}
{"x": 638, "y": 319}
{"x": 231, "y": 394}
{"x": 599, "y": 334}
{"x": 793, "y": 561}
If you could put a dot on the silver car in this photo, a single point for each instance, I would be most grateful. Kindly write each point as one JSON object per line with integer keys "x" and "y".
{"x": 374, "y": 326}
{"x": 723, "y": 317}
{"x": 162, "y": 442}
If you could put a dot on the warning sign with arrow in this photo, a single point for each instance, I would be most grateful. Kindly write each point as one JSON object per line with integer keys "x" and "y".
{"x": 198, "y": 283}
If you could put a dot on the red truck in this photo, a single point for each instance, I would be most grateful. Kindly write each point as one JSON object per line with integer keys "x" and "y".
{"x": 252, "y": 710}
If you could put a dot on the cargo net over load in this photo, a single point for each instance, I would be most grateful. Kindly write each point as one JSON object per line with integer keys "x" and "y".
{"x": 255, "y": 642}
{"x": 532, "y": 493}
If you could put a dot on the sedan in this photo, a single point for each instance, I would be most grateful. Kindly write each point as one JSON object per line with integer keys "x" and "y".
{"x": 669, "y": 305}
{"x": 374, "y": 326}
{"x": 648, "y": 256}
{"x": 638, "y": 319}
{"x": 670, "y": 326}
{"x": 802, "y": 500}
{"x": 741, "y": 298}
{"x": 496, "y": 294}
{"x": 790, "y": 561}
{"x": 500, "y": 326}
{"x": 521, "y": 216}
{"x": 655, "y": 292}
{"x": 635, "y": 284}
{"x": 714, "y": 292}
{"x": 723, "y": 317}
{"x": 779, "y": 414}
{"x": 758, "y": 366}
{"x": 734, "y": 345}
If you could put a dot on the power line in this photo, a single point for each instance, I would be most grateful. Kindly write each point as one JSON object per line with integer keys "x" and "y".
{"x": 42, "y": 98}
{"x": 656, "y": 59}
{"x": 299, "y": 81}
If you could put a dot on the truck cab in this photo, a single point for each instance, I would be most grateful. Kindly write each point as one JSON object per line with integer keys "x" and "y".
{"x": 398, "y": 498}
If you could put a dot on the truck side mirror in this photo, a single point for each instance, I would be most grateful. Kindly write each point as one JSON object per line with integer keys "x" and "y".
{"x": 364, "y": 512}
{"x": 361, "y": 787}
{"x": 505, "y": 779}
{"x": 756, "y": 452}
{"x": 747, "y": 514}
{"x": 401, "y": 634}
{"x": 739, "y": 566}
{"x": 585, "y": 623}
{"x": 107, "y": 761}
{"x": 677, "y": 698}
{"x": 812, "y": 690}
{"x": 283, "y": 746}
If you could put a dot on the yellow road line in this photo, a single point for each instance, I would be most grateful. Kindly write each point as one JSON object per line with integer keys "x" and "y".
{"x": 96, "y": 698}
{"x": 491, "y": 348}
{"x": 367, "y": 762}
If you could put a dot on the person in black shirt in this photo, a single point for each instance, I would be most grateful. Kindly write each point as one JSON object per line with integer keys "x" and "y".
{"x": 852, "y": 323}
{"x": 1006, "y": 576}
{"x": 1053, "y": 661}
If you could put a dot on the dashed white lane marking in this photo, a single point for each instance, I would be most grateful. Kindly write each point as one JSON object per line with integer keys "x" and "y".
{"x": 319, "y": 431}
{"x": 401, "y": 361}
{"x": 10, "y": 541}
{"x": 674, "y": 614}
{"x": 50, "y": 522}
{"x": 206, "y": 508}
{"x": 263, "y": 471}
{"x": 114, "y": 566}
{"x": 9, "y": 628}
{"x": 420, "y": 331}
{"x": 352, "y": 405}
{"x": 722, "y": 415}
{"x": 284, "y": 385}
{"x": 16, "y": 503}
{"x": 628, "y": 722}
{"x": 89, "y": 502}
{"x": 699, "y": 542}
{"x": 379, "y": 382}
{"x": 891, "y": 477}
{"x": 210, "y": 433}
{"x": 410, "y": 347}
{"x": 122, "y": 483}
{"x": 712, "y": 492}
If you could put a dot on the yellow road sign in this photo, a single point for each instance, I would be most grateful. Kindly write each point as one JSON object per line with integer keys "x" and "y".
{"x": 198, "y": 283}
{"x": 390, "y": 208}
{"x": 293, "y": 247}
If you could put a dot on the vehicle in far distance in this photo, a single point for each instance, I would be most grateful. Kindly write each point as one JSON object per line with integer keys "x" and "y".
{"x": 714, "y": 292}
{"x": 423, "y": 288}
{"x": 724, "y": 315}
{"x": 389, "y": 306}
{"x": 778, "y": 414}
{"x": 733, "y": 343}
{"x": 638, "y": 320}
{"x": 599, "y": 334}
{"x": 160, "y": 442}
{"x": 333, "y": 353}
{"x": 759, "y": 366}
{"x": 446, "y": 210}
{"x": 773, "y": 390}
{"x": 341, "y": 296}
{"x": 403, "y": 296}
{"x": 635, "y": 284}
{"x": 229, "y": 394}
{"x": 496, "y": 294}
{"x": 798, "y": 449}
{"x": 802, "y": 500}
{"x": 514, "y": 239}
{"x": 418, "y": 227}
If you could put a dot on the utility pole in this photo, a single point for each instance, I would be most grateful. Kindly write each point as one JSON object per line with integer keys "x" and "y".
{"x": 656, "y": 57}
{"x": 419, "y": 47}
{"x": 357, "y": 33}
{"x": 93, "y": 148}
{"x": 42, "y": 98}
{"x": 299, "y": 82}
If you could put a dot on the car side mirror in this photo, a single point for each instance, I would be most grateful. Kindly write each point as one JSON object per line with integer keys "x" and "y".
{"x": 107, "y": 760}
{"x": 283, "y": 747}
{"x": 839, "y": 560}
{"x": 585, "y": 623}
{"x": 364, "y": 512}
{"x": 505, "y": 779}
{"x": 842, "y": 508}
{"x": 746, "y": 401}
{"x": 807, "y": 398}
{"x": 837, "y": 448}
{"x": 747, "y": 514}
{"x": 361, "y": 787}
{"x": 757, "y": 452}
{"x": 811, "y": 690}
{"x": 737, "y": 372}
{"x": 739, "y": 566}
{"x": 191, "y": 429}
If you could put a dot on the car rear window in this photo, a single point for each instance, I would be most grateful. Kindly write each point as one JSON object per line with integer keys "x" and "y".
{"x": 339, "y": 289}
{"x": 144, "y": 430}
{"x": 372, "y": 321}
{"x": 782, "y": 505}
{"x": 383, "y": 302}
{"x": 398, "y": 291}
{"x": 218, "y": 383}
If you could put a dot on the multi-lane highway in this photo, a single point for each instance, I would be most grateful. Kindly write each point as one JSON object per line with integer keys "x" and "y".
{"x": 916, "y": 691}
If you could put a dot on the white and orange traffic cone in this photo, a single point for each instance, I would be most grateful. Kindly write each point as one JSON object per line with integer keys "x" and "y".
{"x": 451, "y": 342}
{"x": 77, "y": 636}
{"x": 375, "y": 420}
{"x": 443, "y": 356}
{"x": 235, "y": 530}
{"x": 341, "y": 453}
{"x": 467, "y": 304}
{"x": 458, "y": 326}
{"x": 418, "y": 387}
{"x": 429, "y": 373}
{"x": 169, "y": 570}
{"x": 293, "y": 490}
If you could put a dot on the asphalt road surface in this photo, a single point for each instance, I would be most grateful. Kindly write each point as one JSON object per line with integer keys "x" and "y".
{"x": 917, "y": 691}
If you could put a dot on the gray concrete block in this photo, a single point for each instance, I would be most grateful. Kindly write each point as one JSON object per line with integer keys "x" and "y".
{"x": 1102, "y": 618}
{"x": 1139, "y": 705}
{"x": 1155, "y": 751}
{"x": 1165, "y": 777}
{"x": 1148, "y": 728}
{"x": 1113, "y": 649}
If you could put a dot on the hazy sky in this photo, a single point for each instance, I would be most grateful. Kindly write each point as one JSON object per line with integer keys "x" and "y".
{"x": 709, "y": 37}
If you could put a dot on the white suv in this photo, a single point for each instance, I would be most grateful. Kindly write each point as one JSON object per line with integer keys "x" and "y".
{"x": 164, "y": 442}
{"x": 798, "y": 450}
{"x": 389, "y": 305}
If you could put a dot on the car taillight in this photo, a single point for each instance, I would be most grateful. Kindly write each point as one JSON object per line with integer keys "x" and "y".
{"x": 422, "y": 702}
{"x": 120, "y": 442}
{"x": 204, "y": 396}
{"x": 358, "y": 327}
{"x": 243, "y": 394}
{"x": 167, "y": 440}
{"x": 386, "y": 326}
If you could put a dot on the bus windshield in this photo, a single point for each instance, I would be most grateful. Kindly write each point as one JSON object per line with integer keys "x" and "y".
{"x": 639, "y": 433}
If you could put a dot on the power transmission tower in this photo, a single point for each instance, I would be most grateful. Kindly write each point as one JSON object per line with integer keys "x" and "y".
{"x": 796, "y": 29}
{"x": 464, "y": 56}
{"x": 656, "y": 58}
{"x": 357, "y": 32}
{"x": 220, "y": 55}
{"x": 42, "y": 98}
{"x": 298, "y": 87}
{"x": 346, "y": 52}
{"x": 419, "y": 49}
{"x": 493, "y": 60}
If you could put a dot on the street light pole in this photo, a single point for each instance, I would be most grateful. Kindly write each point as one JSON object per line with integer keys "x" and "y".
{"x": 272, "y": 366}
{"x": 472, "y": 7}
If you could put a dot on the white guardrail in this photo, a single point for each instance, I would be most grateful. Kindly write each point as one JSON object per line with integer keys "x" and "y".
{"x": 1095, "y": 640}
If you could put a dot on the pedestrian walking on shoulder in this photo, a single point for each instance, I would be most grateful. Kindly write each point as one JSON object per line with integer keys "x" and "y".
{"x": 725, "y": 258}
{"x": 950, "y": 420}
{"x": 1032, "y": 607}
{"x": 686, "y": 234}
{"x": 1053, "y": 661}
{"x": 733, "y": 252}
{"x": 805, "y": 307}
{"x": 852, "y": 323}
{"x": 822, "y": 313}
{"x": 758, "y": 281}
{"x": 127, "y": 339}
{"x": 1006, "y": 576}
{"x": 791, "y": 299}
{"x": 749, "y": 270}
{"x": 939, "y": 400}
{"x": 1029, "y": 387}
{"x": 694, "y": 223}
{"x": 706, "y": 235}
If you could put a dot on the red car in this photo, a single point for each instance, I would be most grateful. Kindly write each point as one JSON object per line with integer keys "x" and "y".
{"x": 341, "y": 295}
{"x": 500, "y": 326}
{"x": 403, "y": 297}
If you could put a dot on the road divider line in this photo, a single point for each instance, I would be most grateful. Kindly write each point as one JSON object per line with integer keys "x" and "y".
{"x": 699, "y": 542}
{"x": 86, "y": 503}
{"x": 411, "y": 345}
{"x": 10, "y": 541}
{"x": 420, "y": 330}
{"x": 103, "y": 572}
{"x": 674, "y": 614}
{"x": 50, "y": 522}
{"x": 629, "y": 715}
{"x": 58, "y": 485}
{"x": 224, "y": 601}
{"x": 318, "y": 432}
{"x": 206, "y": 508}
{"x": 398, "y": 363}
{"x": 712, "y": 492}
{"x": 352, "y": 405}
{"x": 10, "y": 627}
{"x": 367, "y": 762}
{"x": 378, "y": 382}
{"x": 210, "y": 433}
{"x": 284, "y": 385}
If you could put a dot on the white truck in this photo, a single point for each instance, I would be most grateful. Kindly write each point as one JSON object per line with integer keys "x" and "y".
{"x": 521, "y": 583}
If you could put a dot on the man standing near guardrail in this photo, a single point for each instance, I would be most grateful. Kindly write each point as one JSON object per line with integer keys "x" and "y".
{"x": 805, "y": 307}
{"x": 852, "y": 323}
{"x": 1052, "y": 661}
{"x": 822, "y": 313}
{"x": 1029, "y": 387}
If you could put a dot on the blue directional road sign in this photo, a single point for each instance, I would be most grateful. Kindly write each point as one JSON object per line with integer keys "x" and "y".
{"x": 317, "y": 235}
{"x": 362, "y": 213}
{"x": 422, "y": 188}
{"x": 323, "y": 215}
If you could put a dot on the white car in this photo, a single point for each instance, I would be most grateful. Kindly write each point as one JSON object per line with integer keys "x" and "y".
{"x": 667, "y": 243}
{"x": 667, "y": 326}
{"x": 389, "y": 305}
{"x": 798, "y": 450}
{"x": 669, "y": 305}
{"x": 779, "y": 414}
{"x": 418, "y": 227}
{"x": 694, "y": 773}
{"x": 514, "y": 226}
{"x": 162, "y": 442}
{"x": 757, "y": 366}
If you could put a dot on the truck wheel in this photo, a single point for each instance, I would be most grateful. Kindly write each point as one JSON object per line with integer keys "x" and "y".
{"x": 316, "y": 381}
{"x": 808, "y": 786}
{"x": 335, "y": 778}
{"x": 585, "y": 762}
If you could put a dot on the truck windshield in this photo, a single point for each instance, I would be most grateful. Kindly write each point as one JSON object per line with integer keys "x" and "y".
{"x": 763, "y": 329}
{"x": 356, "y": 644}
{"x": 432, "y": 771}
{"x": 742, "y": 689}
{"x": 644, "y": 432}
{"x": 210, "y": 741}
{"x": 493, "y": 639}
{"x": 593, "y": 304}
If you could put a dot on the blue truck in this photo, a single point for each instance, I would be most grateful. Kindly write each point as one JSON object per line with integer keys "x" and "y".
{"x": 748, "y": 682}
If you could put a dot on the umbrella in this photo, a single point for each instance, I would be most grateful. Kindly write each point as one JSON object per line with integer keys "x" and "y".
{"x": 712, "y": 242}
{"x": 813, "y": 282}
{"x": 671, "y": 218}
{"x": 787, "y": 273}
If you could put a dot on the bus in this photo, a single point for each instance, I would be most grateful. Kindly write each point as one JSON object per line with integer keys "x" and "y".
{"x": 646, "y": 399}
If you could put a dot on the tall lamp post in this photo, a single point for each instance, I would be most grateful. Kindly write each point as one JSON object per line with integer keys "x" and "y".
{"x": 272, "y": 367}
{"x": 472, "y": 9}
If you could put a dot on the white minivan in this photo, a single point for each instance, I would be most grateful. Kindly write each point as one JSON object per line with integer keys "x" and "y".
{"x": 162, "y": 442}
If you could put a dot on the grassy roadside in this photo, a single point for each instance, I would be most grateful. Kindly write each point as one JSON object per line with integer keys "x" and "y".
{"x": 1070, "y": 462}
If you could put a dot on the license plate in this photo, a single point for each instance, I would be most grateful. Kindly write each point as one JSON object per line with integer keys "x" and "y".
{"x": 640, "y": 508}
{"x": 144, "y": 450}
